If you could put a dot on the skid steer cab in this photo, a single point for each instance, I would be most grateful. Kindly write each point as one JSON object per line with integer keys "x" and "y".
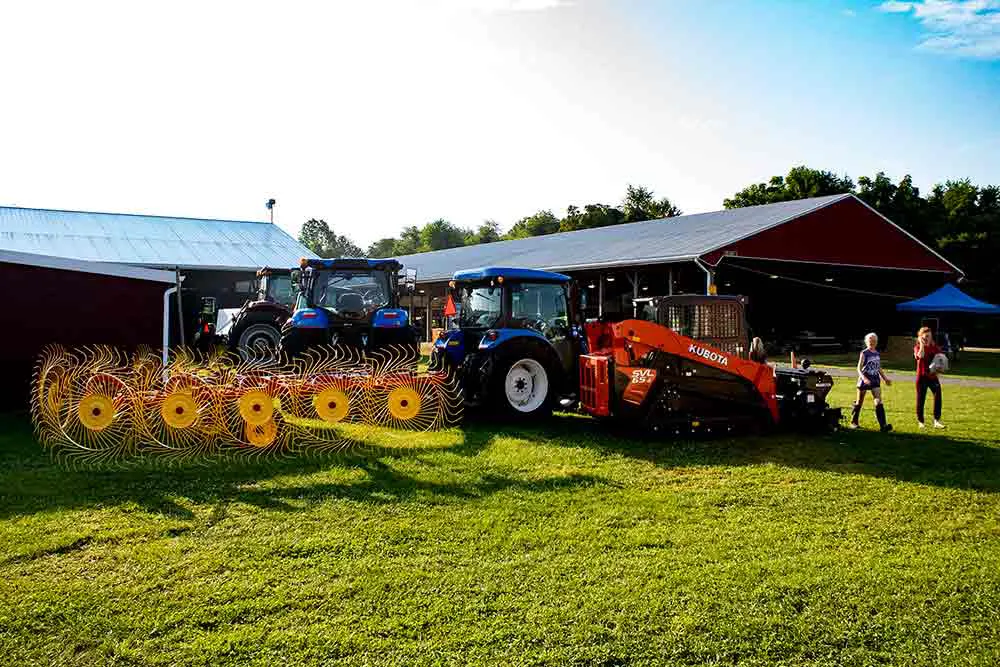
{"x": 515, "y": 339}
{"x": 349, "y": 302}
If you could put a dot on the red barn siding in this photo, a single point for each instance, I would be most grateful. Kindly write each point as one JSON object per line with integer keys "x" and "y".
{"x": 846, "y": 232}
{"x": 44, "y": 305}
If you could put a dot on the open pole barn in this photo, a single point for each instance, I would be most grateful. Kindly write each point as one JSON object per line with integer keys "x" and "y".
{"x": 825, "y": 270}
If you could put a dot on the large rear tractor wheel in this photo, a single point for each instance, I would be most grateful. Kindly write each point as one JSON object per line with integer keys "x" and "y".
{"x": 261, "y": 337}
{"x": 523, "y": 388}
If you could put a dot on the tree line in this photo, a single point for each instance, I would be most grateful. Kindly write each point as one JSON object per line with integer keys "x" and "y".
{"x": 639, "y": 203}
{"x": 957, "y": 218}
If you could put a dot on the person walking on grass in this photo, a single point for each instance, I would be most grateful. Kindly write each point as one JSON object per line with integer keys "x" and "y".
{"x": 924, "y": 352}
{"x": 870, "y": 377}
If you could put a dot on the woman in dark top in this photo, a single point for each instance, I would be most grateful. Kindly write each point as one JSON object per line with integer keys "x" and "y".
{"x": 870, "y": 377}
{"x": 927, "y": 378}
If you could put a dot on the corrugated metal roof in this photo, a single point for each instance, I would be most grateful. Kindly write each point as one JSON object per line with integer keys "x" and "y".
{"x": 98, "y": 268}
{"x": 654, "y": 241}
{"x": 148, "y": 240}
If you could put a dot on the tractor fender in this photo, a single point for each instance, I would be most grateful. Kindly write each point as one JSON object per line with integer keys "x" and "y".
{"x": 309, "y": 318}
{"x": 391, "y": 318}
{"x": 450, "y": 346}
{"x": 497, "y": 337}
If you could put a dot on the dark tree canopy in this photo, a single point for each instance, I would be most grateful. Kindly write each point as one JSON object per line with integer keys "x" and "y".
{"x": 800, "y": 183}
{"x": 318, "y": 237}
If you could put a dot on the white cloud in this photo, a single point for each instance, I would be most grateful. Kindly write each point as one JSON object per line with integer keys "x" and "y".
{"x": 850, "y": 13}
{"x": 969, "y": 28}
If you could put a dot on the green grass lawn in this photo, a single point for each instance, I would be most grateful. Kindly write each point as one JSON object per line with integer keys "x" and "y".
{"x": 560, "y": 544}
{"x": 969, "y": 364}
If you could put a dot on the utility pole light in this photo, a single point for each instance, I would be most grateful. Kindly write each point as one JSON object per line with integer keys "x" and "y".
{"x": 270, "y": 207}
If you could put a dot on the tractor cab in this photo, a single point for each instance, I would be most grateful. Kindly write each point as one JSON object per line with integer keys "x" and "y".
{"x": 515, "y": 337}
{"x": 349, "y": 301}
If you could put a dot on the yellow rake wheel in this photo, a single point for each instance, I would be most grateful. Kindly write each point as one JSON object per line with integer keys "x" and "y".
{"x": 261, "y": 435}
{"x": 179, "y": 410}
{"x": 403, "y": 403}
{"x": 332, "y": 405}
{"x": 96, "y": 412}
{"x": 256, "y": 407}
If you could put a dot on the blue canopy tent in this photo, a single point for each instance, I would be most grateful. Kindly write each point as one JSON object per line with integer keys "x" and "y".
{"x": 948, "y": 299}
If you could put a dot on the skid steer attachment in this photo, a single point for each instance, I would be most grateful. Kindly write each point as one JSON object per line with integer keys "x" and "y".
{"x": 98, "y": 404}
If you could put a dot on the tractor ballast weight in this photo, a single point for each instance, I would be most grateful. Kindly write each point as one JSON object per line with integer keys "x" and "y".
{"x": 349, "y": 302}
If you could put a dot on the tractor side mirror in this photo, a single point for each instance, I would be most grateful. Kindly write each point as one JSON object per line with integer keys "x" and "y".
{"x": 408, "y": 281}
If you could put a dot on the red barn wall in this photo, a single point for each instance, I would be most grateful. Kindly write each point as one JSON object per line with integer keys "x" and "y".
{"x": 846, "y": 232}
{"x": 43, "y": 305}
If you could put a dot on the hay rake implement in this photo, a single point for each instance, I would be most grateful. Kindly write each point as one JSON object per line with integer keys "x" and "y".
{"x": 98, "y": 404}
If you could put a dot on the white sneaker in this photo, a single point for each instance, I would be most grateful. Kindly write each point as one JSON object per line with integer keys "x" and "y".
{"x": 853, "y": 426}
{"x": 938, "y": 424}
{"x": 921, "y": 425}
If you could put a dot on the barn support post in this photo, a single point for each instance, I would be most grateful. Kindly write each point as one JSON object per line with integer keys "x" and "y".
{"x": 709, "y": 276}
{"x": 600, "y": 295}
{"x": 427, "y": 323}
{"x": 670, "y": 282}
{"x": 634, "y": 279}
{"x": 180, "y": 305}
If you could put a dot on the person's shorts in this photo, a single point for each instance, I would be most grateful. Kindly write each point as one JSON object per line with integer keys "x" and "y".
{"x": 876, "y": 382}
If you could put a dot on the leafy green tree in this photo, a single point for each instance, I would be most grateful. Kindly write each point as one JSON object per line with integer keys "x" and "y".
{"x": 592, "y": 215}
{"x": 383, "y": 248}
{"x": 318, "y": 237}
{"x": 800, "y": 183}
{"x": 441, "y": 235}
{"x": 488, "y": 232}
{"x": 539, "y": 224}
{"x": 641, "y": 204}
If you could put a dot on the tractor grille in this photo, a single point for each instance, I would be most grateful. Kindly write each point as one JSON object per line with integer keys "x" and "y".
{"x": 594, "y": 384}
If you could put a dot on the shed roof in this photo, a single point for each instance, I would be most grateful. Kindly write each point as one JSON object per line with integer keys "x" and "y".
{"x": 98, "y": 268}
{"x": 148, "y": 240}
{"x": 659, "y": 241}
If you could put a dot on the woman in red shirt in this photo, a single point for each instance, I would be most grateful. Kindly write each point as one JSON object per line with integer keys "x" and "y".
{"x": 924, "y": 352}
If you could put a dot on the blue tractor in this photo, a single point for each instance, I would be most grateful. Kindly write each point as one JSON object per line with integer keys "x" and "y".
{"x": 348, "y": 302}
{"x": 518, "y": 339}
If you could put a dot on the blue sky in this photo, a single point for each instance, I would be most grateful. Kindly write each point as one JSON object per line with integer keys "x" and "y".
{"x": 385, "y": 113}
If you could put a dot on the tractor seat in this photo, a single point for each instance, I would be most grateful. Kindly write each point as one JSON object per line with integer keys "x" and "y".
{"x": 350, "y": 301}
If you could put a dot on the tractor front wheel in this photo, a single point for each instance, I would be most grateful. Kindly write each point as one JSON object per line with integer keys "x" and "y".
{"x": 523, "y": 388}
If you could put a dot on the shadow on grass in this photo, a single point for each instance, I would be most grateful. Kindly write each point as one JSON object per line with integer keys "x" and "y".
{"x": 31, "y": 482}
{"x": 932, "y": 459}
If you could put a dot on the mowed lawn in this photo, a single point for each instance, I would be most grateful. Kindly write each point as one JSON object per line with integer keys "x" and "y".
{"x": 559, "y": 544}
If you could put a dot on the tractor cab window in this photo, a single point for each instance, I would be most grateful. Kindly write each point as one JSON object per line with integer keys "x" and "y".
{"x": 356, "y": 291}
{"x": 540, "y": 306}
{"x": 279, "y": 289}
{"x": 481, "y": 306}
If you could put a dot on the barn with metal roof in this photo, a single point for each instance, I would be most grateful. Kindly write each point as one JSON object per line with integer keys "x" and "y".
{"x": 826, "y": 265}
{"x": 215, "y": 258}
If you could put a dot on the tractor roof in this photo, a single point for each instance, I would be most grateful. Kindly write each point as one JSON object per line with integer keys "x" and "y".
{"x": 488, "y": 272}
{"x": 360, "y": 263}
